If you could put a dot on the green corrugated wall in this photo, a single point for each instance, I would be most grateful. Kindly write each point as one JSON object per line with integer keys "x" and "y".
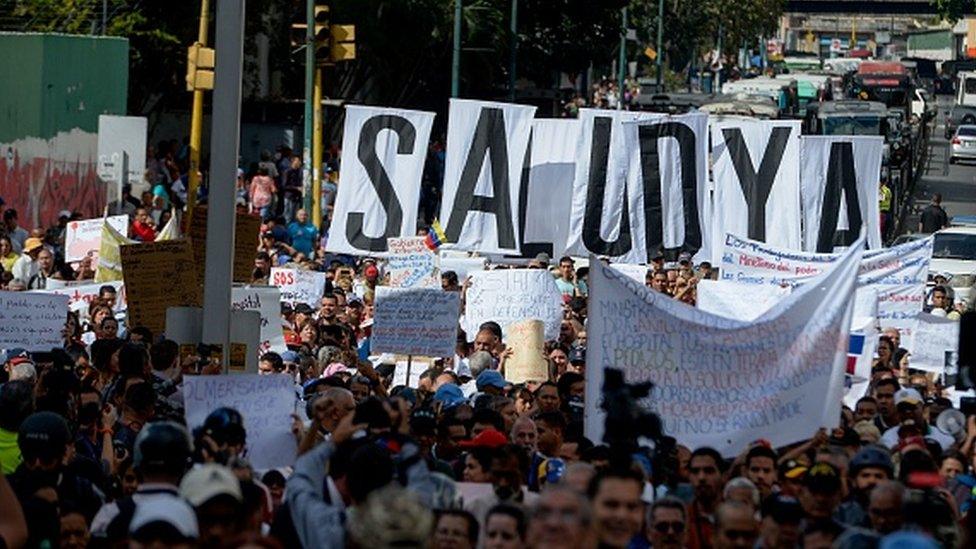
{"x": 57, "y": 82}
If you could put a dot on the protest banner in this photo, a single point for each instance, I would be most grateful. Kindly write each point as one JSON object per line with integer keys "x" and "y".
{"x": 736, "y": 300}
{"x": 757, "y": 180}
{"x": 266, "y": 404}
{"x": 721, "y": 382}
{"x": 379, "y": 184}
{"x": 860, "y": 357}
{"x": 299, "y": 285}
{"x": 546, "y": 188}
{"x": 32, "y": 321}
{"x": 528, "y": 360}
{"x": 840, "y": 175}
{"x": 408, "y": 371}
{"x": 637, "y": 273}
{"x": 411, "y": 263}
{"x": 462, "y": 266}
{"x": 512, "y": 295}
{"x": 898, "y": 274}
{"x": 266, "y": 300}
{"x": 84, "y": 238}
{"x": 109, "y": 254}
{"x": 80, "y": 296}
{"x": 486, "y": 146}
{"x": 933, "y": 337}
{"x": 415, "y": 321}
{"x": 246, "y": 229}
{"x": 122, "y": 144}
{"x": 159, "y": 275}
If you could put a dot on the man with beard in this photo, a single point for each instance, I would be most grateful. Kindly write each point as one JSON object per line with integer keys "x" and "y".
{"x": 705, "y": 472}
{"x": 760, "y": 468}
{"x": 871, "y": 466}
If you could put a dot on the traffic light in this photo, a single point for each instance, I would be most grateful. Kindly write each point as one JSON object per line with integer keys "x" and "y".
{"x": 199, "y": 68}
{"x": 321, "y": 35}
{"x": 343, "y": 43}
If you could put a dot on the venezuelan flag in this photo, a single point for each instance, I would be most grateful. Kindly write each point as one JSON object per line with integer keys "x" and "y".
{"x": 435, "y": 236}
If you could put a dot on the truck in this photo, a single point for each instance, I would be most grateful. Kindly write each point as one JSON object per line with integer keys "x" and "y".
{"x": 964, "y": 109}
{"x": 886, "y": 82}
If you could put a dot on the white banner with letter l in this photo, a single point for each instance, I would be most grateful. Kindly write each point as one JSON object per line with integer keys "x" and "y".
{"x": 721, "y": 382}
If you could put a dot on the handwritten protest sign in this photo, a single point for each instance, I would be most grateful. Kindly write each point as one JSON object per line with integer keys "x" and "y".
{"x": 415, "y": 321}
{"x": 898, "y": 274}
{"x": 509, "y": 296}
{"x": 738, "y": 301}
{"x": 83, "y": 238}
{"x": 934, "y": 337}
{"x": 528, "y": 361}
{"x": 80, "y": 296}
{"x": 299, "y": 285}
{"x": 265, "y": 402}
{"x": 408, "y": 372}
{"x": 266, "y": 300}
{"x": 32, "y": 321}
{"x": 411, "y": 263}
{"x": 246, "y": 229}
{"x": 722, "y": 382}
{"x": 159, "y": 275}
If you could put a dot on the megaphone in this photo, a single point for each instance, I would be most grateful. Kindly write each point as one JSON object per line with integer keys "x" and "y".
{"x": 952, "y": 422}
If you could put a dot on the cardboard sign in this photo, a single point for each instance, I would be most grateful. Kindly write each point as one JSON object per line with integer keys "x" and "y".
{"x": 32, "y": 321}
{"x": 246, "y": 229}
{"x": 83, "y": 238}
{"x": 299, "y": 285}
{"x": 411, "y": 263}
{"x": 415, "y": 321}
{"x": 265, "y": 402}
{"x": 528, "y": 361}
{"x": 159, "y": 275}
{"x": 513, "y": 295}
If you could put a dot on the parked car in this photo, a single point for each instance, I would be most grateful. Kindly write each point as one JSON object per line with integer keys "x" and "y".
{"x": 954, "y": 253}
{"x": 963, "y": 144}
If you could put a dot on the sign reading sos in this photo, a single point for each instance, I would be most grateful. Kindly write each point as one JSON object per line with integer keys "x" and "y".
{"x": 283, "y": 278}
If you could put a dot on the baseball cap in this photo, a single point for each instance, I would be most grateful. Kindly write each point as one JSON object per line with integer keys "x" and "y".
{"x": 577, "y": 355}
{"x": 684, "y": 257}
{"x": 371, "y": 271}
{"x": 64, "y": 213}
{"x": 489, "y": 438}
{"x": 303, "y": 308}
{"x": 208, "y": 481}
{"x": 783, "y": 509}
{"x": 542, "y": 258}
{"x": 792, "y": 469}
{"x": 450, "y": 395}
{"x": 490, "y": 378}
{"x": 872, "y": 456}
{"x": 163, "y": 515}
{"x": 290, "y": 357}
{"x": 822, "y": 478}
{"x": 353, "y": 300}
{"x": 291, "y": 338}
{"x": 43, "y": 435}
{"x": 908, "y": 395}
{"x": 15, "y": 356}
{"x": 267, "y": 234}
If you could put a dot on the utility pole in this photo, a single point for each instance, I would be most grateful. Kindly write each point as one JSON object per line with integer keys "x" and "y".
{"x": 622, "y": 62}
{"x": 456, "y": 53}
{"x": 196, "y": 118}
{"x": 718, "y": 71}
{"x": 514, "y": 51}
{"x": 309, "y": 101}
{"x": 317, "y": 149}
{"x": 221, "y": 210}
{"x": 660, "y": 42}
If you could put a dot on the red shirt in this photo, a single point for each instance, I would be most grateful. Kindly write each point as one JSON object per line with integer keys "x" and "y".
{"x": 143, "y": 232}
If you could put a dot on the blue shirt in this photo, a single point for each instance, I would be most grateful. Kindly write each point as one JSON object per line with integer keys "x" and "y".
{"x": 303, "y": 237}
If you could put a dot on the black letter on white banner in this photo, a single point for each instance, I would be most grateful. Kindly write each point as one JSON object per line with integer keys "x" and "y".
{"x": 651, "y": 172}
{"x": 528, "y": 249}
{"x": 841, "y": 176}
{"x": 406, "y": 136}
{"x": 756, "y": 187}
{"x": 595, "y": 187}
{"x": 489, "y": 139}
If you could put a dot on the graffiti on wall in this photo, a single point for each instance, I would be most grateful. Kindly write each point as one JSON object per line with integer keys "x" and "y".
{"x": 40, "y": 178}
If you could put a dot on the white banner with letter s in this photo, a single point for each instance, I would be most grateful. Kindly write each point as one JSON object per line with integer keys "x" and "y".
{"x": 757, "y": 180}
{"x": 486, "y": 145}
{"x": 841, "y": 175}
{"x": 379, "y": 184}
{"x": 721, "y": 382}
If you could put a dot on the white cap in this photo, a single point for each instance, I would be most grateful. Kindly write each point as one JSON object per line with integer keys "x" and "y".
{"x": 209, "y": 481}
{"x": 908, "y": 395}
{"x": 64, "y": 213}
{"x": 166, "y": 508}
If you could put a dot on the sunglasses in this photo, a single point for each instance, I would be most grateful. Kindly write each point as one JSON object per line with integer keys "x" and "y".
{"x": 665, "y": 527}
